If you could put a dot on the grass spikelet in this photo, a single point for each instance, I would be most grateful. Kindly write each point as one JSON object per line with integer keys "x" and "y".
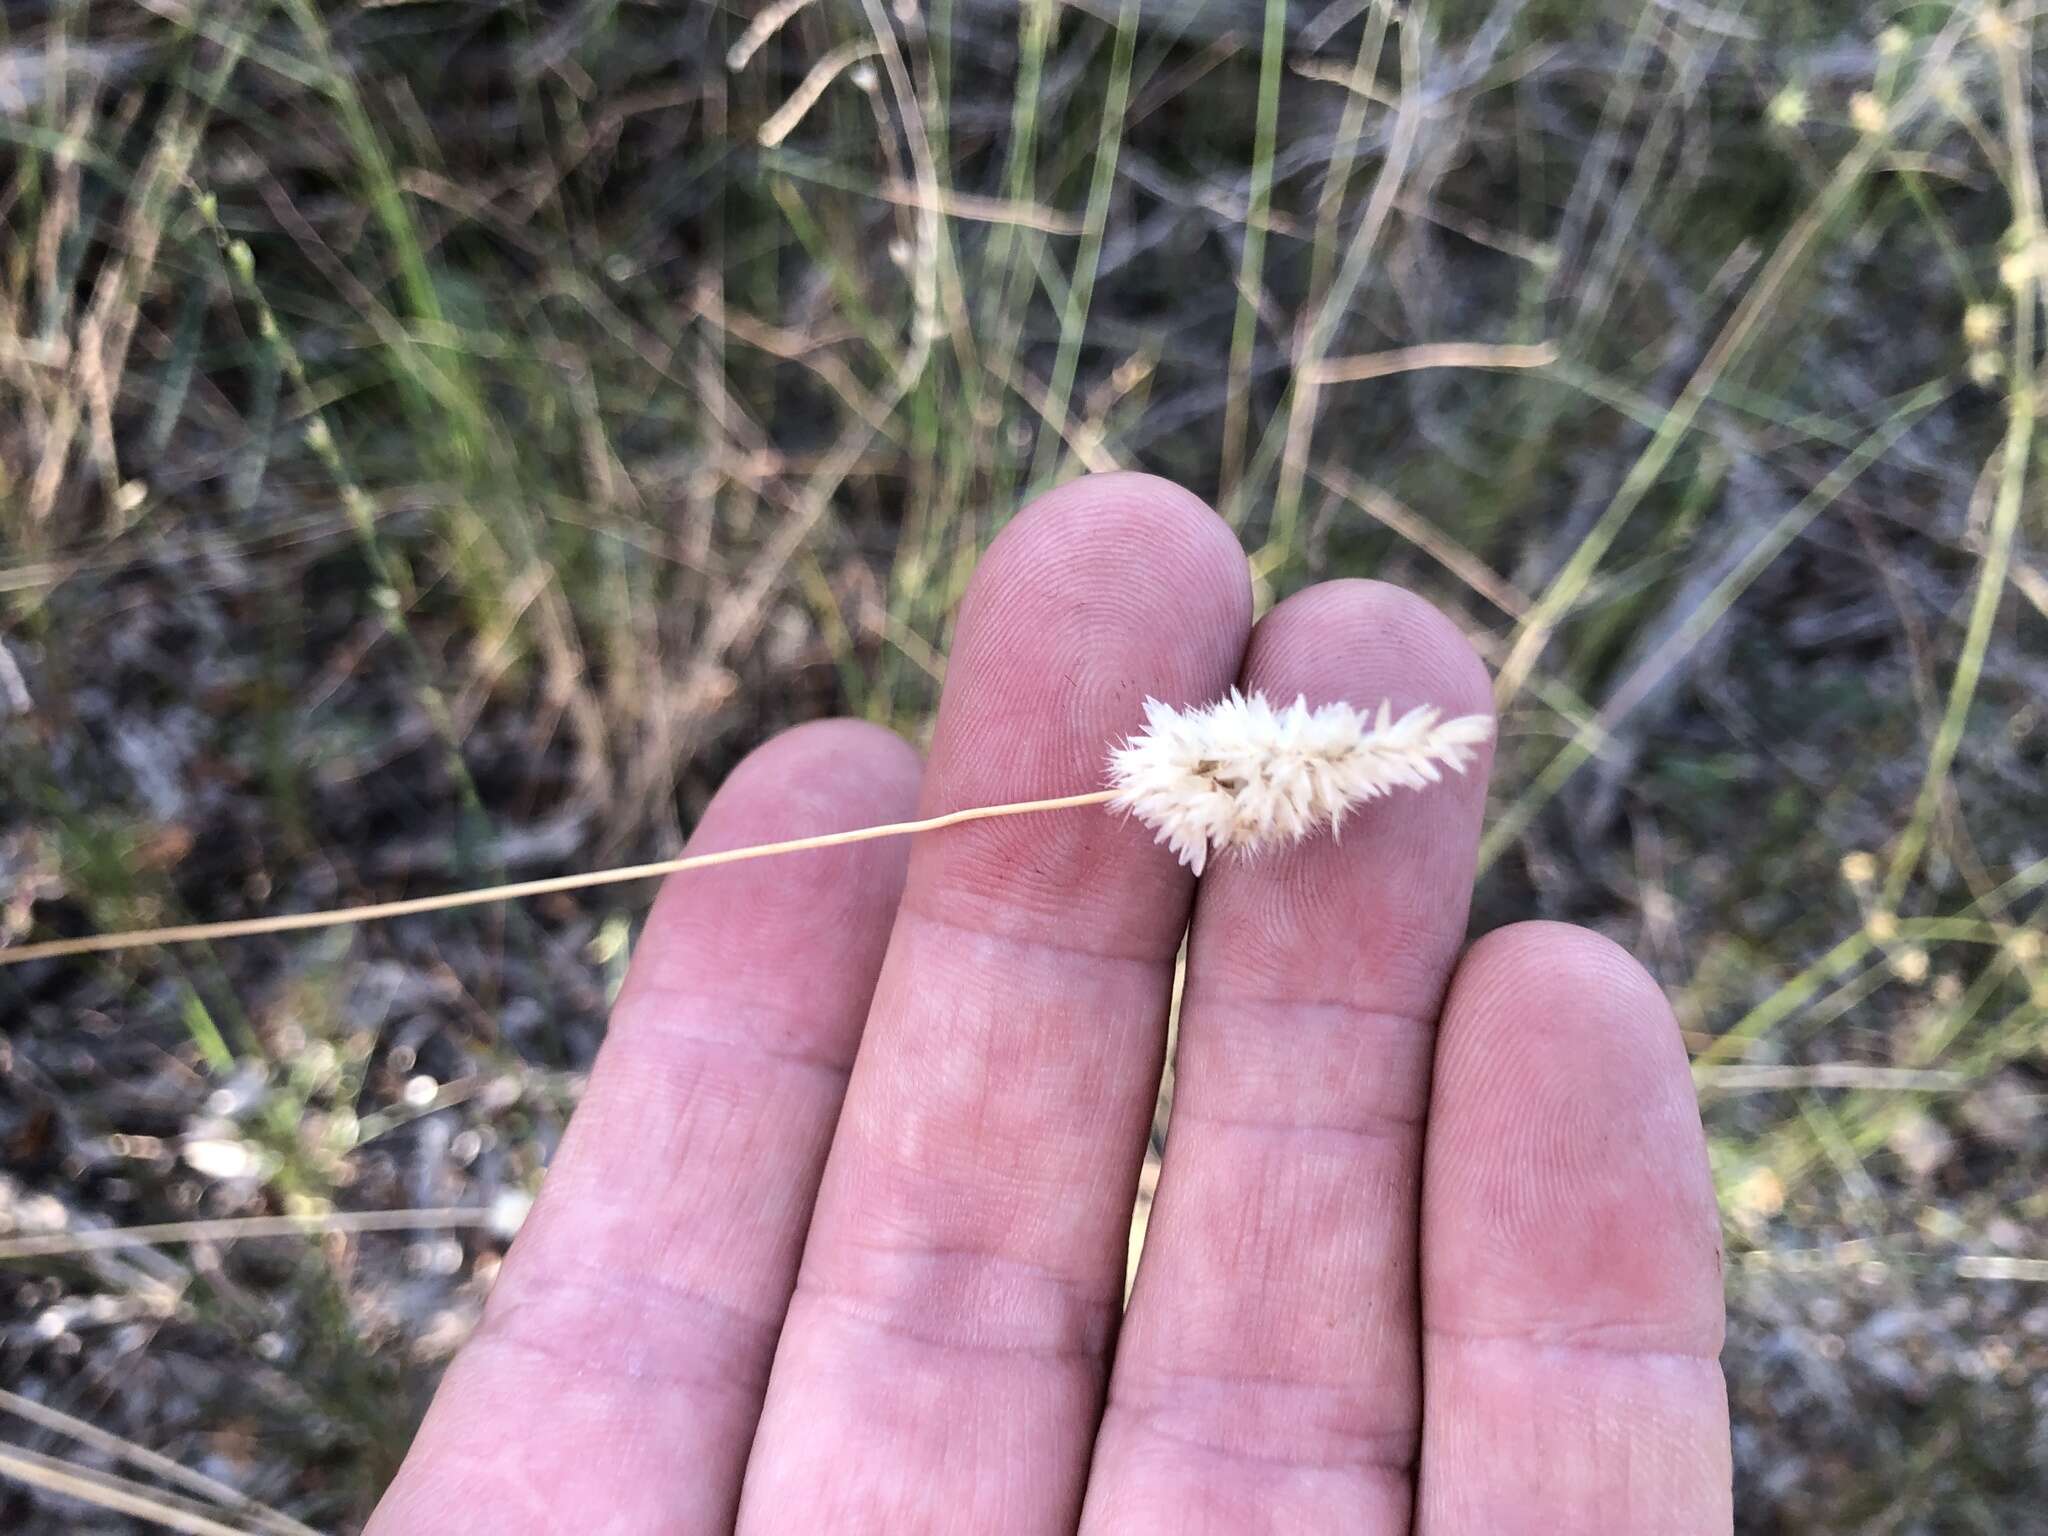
{"x": 1240, "y": 773}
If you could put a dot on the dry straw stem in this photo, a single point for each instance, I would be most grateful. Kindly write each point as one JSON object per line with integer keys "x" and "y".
{"x": 980, "y": 210}
{"x": 1832, "y": 1074}
{"x": 771, "y": 20}
{"x": 110, "y": 1492}
{"x": 1441, "y": 354}
{"x": 1998, "y": 1266}
{"x": 335, "y": 917}
{"x": 43, "y": 1245}
{"x": 814, "y": 84}
{"x": 1238, "y": 773}
{"x": 272, "y": 1522}
{"x": 1375, "y": 502}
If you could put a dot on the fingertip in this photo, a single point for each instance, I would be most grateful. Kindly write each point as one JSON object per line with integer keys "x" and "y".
{"x": 1569, "y": 1188}
{"x": 1379, "y": 912}
{"x": 1149, "y": 534}
{"x": 1103, "y": 592}
{"x": 1544, "y": 973}
{"x": 1127, "y": 494}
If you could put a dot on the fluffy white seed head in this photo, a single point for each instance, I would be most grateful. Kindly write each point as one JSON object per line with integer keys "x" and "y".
{"x": 1239, "y": 773}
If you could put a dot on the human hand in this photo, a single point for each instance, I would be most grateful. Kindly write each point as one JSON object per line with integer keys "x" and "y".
{"x": 837, "y": 1238}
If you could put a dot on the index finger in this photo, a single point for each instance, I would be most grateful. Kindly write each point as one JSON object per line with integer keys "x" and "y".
{"x": 622, "y": 1360}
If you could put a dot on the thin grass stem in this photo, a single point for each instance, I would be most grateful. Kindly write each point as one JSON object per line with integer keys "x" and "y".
{"x": 162, "y": 1234}
{"x": 274, "y": 1522}
{"x": 336, "y": 917}
{"x": 106, "y": 1491}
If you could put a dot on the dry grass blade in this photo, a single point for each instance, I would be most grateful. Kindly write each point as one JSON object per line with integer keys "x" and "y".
{"x": 1831, "y": 1074}
{"x": 1442, "y": 354}
{"x": 43, "y": 1245}
{"x": 110, "y": 1492}
{"x": 810, "y": 88}
{"x": 1425, "y": 536}
{"x": 760, "y": 31}
{"x": 42, "y": 1415}
{"x": 981, "y": 210}
{"x": 1999, "y": 1266}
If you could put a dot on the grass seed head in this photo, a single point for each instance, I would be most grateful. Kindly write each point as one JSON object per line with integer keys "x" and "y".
{"x": 1241, "y": 773}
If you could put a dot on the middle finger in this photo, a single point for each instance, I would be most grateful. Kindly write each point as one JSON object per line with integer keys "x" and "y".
{"x": 943, "y": 1360}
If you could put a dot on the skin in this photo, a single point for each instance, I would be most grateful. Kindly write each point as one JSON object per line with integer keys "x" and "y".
{"x": 836, "y": 1241}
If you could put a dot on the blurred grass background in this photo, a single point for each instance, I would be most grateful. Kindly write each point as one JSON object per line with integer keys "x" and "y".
{"x": 437, "y": 439}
